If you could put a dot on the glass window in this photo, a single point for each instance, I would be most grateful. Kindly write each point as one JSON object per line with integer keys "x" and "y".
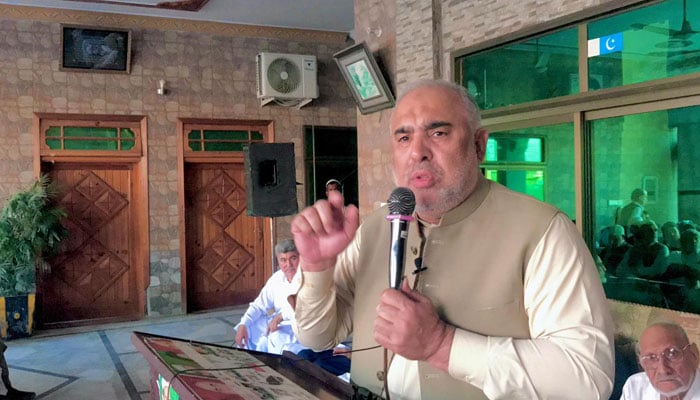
{"x": 653, "y": 42}
{"x": 537, "y": 161}
{"x": 221, "y": 140}
{"x": 535, "y": 69}
{"x": 89, "y": 138}
{"x": 515, "y": 149}
{"x": 530, "y": 182}
{"x": 647, "y": 206}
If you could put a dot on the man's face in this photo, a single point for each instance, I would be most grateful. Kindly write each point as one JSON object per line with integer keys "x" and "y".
{"x": 434, "y": 154}
{"x": 331, "y": 187}
{"x": 288, "y": 263}
{"x": 668, "y": 377}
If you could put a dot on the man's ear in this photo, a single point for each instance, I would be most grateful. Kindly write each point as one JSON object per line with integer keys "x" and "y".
{"x": 694, "y": 349}
{"x": 481, "y": 137}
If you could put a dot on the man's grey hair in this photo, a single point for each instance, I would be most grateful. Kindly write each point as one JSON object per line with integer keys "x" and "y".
{"x": 472, "y": 109}
{"x": 669, "y": 326}
{"x": 285, "y": 246}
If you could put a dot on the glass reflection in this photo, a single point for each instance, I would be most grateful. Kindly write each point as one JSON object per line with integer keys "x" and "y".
{"x": 535, "y": 69}
{"x": 537, "y": 161}
{"x": 647, "y": 198}
{"x": 658, "y": 41}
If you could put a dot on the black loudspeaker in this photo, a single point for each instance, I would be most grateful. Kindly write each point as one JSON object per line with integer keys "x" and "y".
{"x": 270, "y": 179}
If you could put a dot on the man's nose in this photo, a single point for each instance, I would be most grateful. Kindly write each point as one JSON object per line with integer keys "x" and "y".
{"x": 664, "y": 366}
{"x": 420, "y": 148}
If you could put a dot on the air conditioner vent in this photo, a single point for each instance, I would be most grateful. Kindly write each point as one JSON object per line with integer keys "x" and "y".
{"x": 288, "y": 79}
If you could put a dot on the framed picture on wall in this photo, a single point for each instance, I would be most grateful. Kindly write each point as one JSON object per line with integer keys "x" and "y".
{"x": 95, "y": 49}
{"x": 364, "y": 78}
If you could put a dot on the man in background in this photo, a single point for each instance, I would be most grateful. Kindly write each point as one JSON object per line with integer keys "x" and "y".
{"x": 633, "y": 214}
{"x": 266, "y": 324}
{"x": 670, "y": 365}
{"x": 333, "y": 185}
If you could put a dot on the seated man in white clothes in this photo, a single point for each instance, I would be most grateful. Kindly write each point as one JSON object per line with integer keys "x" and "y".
{"x": 670, "y": 365}
{"x": 266, "y": 324}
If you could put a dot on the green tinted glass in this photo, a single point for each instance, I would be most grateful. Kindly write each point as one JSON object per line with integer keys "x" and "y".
{"x": 53, "y": 131}
{"x": 223, "y": 146}
{"x": 70, "y": 144}
{"x": 530, "y": 182}
{"x": 653, "y": 42}
{"x": 256, "y": 136}
{"x": 127, "y": 133}
{"x": 220, "y": 140}
{"x": 89, "y": 132}
{"x": 195, "y": 146}
{"x": 226, "y": 135}
{"x": 646, "y": 178}
{"x": 515, "y": 149}
{"x": 535, "y": 69}
{"x": 194, "y": 135}
{"x": 91, "y": 138}
{"x": 518, "y": 160}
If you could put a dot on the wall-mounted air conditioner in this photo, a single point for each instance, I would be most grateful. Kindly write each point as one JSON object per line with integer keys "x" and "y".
{"x": 287, "y": 79}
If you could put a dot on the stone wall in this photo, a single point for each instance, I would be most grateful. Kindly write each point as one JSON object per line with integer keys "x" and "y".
{"x": 210, "y": 73}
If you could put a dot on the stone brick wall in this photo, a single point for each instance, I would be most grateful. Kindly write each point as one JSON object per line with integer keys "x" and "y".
{"x": 415, "y": 51}
{"x": 374, "y": 25}
{"x": 210, "y": 73}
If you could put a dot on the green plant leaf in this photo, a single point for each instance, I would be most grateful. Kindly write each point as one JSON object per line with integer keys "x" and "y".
{"x": 30, "y": 230}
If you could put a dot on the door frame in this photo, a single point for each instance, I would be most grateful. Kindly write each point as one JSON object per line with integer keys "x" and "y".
{"x": 186, "y": 155}
{"x": 137, "y": 161}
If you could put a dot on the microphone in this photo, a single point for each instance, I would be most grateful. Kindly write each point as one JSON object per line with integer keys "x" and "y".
{"x": 402, "y": 202}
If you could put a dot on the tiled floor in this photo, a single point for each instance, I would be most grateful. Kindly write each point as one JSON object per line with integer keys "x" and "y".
{"x": 100, "y": 362}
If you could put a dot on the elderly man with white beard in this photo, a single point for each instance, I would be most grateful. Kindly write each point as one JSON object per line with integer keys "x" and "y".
{"x": 670, "y": 365}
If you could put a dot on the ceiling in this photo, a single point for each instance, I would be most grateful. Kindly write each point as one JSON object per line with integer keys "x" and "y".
{"x": 327, "y": 15}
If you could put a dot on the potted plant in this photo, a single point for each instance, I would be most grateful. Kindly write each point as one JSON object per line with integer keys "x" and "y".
{"x": 30, "y": 231}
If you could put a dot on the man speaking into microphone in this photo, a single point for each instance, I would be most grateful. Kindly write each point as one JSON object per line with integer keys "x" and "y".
{"x": 501, "y": 298}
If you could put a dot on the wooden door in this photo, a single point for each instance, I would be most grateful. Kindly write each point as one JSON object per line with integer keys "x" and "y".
{"x": 224, "y": 246}
{"x": 94, "y": 278}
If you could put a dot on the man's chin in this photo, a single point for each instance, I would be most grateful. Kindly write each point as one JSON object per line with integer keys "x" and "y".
{"x": 671, "y": 388}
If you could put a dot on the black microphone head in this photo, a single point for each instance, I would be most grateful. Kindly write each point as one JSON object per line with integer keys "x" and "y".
{"x": 402, "y": 201}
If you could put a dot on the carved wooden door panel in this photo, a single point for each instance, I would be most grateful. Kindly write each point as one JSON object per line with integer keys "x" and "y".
{"x": 93, "y": 279}
{"x": 225, "y": 247}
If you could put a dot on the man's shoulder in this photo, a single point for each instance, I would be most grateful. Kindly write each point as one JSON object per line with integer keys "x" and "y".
{"x": 639, "y": 377}
{"x": 277, "y": 276}
{"x": 377, "y": 215}
{"x": 631, "y": 206}
{"x": 637, "y": 384}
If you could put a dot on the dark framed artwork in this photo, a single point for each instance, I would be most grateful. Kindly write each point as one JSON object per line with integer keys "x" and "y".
{"x": 364, "y": 78}
{"x": 95, "y": 49}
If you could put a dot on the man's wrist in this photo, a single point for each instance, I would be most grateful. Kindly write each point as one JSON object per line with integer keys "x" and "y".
{"x": 316, "y": 266}
{"x": 441, "y": 357}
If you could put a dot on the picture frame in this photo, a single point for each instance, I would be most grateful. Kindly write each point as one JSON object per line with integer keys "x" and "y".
{"x": 91, "y": 49}
{"x": 364, "y": 78}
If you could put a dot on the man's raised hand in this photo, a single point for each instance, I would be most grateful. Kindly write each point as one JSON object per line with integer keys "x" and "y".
{"x": 324, "y": 230}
